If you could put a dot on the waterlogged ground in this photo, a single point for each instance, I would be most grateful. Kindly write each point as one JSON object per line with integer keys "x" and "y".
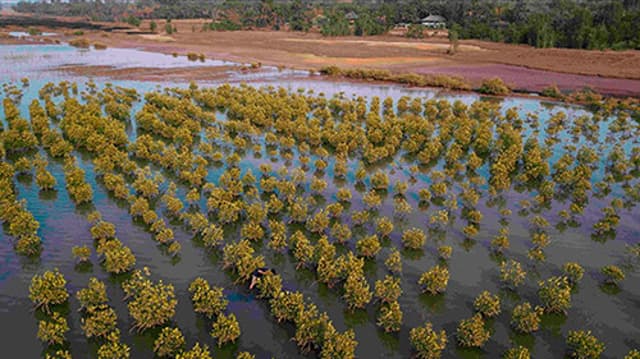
{"x": 612, "y": 314}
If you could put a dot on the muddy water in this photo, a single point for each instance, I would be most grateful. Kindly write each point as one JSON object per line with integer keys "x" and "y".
{"x": 613, "y": 316}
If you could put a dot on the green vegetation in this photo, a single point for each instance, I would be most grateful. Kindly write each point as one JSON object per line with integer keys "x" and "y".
{"x": 48, "y": 289}
{"x": 472, "y": 333}
{"x": 583, "y": 345}
{"x": 334, "y": 187}
{"x": 428, "y": 343}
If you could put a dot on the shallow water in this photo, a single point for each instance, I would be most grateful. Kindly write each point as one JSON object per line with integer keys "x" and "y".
{"x": 613, "y": 317}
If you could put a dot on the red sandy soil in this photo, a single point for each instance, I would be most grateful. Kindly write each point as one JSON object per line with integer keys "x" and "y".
{"x": 525, "y": 79}
{"x": 526, "y": 68}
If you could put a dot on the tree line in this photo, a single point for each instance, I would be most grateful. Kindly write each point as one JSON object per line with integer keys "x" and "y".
{"x": 583, "y": 24}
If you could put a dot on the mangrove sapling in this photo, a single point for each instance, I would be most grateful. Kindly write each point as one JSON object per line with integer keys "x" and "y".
{"x": 394, "y": 262}
{"x": 555, "y": 294}
{"x": 518, "y": 352}
{"x": 93, "y": 295}
{"x": 151, "y": 304}
{"x": 633, "y": 354}
{"x": 574, "y": 272}
{"x": 113, "y": 348}
{"x": 428, "y": 343}
{"x": 48, "y": 289}
{"x": 53, "y": 330}
{"x": 207, "y": 300}
{"x": 390, "y": 317}
{"x": 487, "y": 304}
{"x": 169, "y": 342}
{"x": 435, "y": 280}
{"x": 225, "y": 329}
{"x": 99, "y": 321}
{"x": 512, "y": 274}
{"x": 338, "y": 345}
{"x": 387, "y": 290}
{"x": 286, "y": 305}
{"x": 82, "y": 254}
{"x": 196, "y": 352}
{"x": 413, "y": 238}
{"x": 368, "y": 246}
{"x": 613, "y": 274}
{"x": 526, "y": 319}
{"x": 472, "y": 333}
{"x": 356, "y": 291}
{"x": 583, "y": 345}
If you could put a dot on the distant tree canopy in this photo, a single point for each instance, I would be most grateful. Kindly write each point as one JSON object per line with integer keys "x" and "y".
{"x": 590, "y": 24}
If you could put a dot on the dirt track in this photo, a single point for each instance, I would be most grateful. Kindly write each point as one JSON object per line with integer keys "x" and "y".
{"x": 605, "y": 71}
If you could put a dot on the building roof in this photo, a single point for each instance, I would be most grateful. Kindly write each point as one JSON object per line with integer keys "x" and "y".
{"x": 434, "y": 18}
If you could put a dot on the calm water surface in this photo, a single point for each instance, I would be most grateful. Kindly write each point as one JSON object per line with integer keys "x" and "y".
{"x": 613, "y": 317}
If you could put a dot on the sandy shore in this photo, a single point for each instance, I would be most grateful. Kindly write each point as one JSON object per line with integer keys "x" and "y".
{"x": 523, "y": 67}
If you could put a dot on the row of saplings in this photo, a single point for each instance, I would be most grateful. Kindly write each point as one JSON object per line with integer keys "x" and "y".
{"x": 153, "y": 304}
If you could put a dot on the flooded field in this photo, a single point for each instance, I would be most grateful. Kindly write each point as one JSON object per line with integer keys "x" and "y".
{"x": 420, "y": 158}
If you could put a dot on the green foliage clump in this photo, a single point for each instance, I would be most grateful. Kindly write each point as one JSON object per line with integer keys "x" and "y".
{"x": 414, "y": 238}
{"x": 48, "y": 289}
{"x": 428, "y": 343}
{"x": 494, "y": 86}
{"x": 388, "y": 290}
{"x": 435, "y": 280}
{"x": 525, "y": 318}
{"x": 583, "y": 345}
{"x": 225, "y": 329}
{"x": 206, "y": 300}
{"x": 511, "y": 273}
{"x": 573, "y": 271}
{"x": 53, "y": 330}
{"x": 487, "y": 304}
{"x": 613, "y": 274}
{"x": 169, "y": 342}
{"x": 472, "y": 333}
{"x": 151, "y": 304}
{"x": 197, "y": 352}
{"x": 555, "y": 294}
{"x": 390, "y": 317}
{"x": 113, "y": 348}
{"x": 518, "y": 352}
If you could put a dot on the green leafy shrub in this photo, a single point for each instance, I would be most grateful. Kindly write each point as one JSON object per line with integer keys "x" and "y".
{"x": 574, "y": 272}
{"x": 394, "y": 262}
{"x": 53, "y": 330}
{"x": 100, "y": 321}
{"x": 169, "y": 342}
{"x": 388, "y": 290}
{"x": 197, "y": 352}
{"x": 613, "y": 274}
{"x": 390, "y": 317}
{"x": 583, "y": 345}
{"x": 48, "y": 289}
{"x": 471, "y": 332}
{"x": 526, "y": 319}
{"x": 494, "y": 86}
{"x": 555, "y": 294}
{"x": 435, "y": 280}
{"x": 512, "y": 274}
{"x": 487, "y": 304}
{"x": 518, "y": 352}
{"x": 414, "y": 238}
{"x": 94, "y": 295}
{"x": 428, "y": 343}
{"x": 206, "y": 300}
{"x": 225, "y": 329}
